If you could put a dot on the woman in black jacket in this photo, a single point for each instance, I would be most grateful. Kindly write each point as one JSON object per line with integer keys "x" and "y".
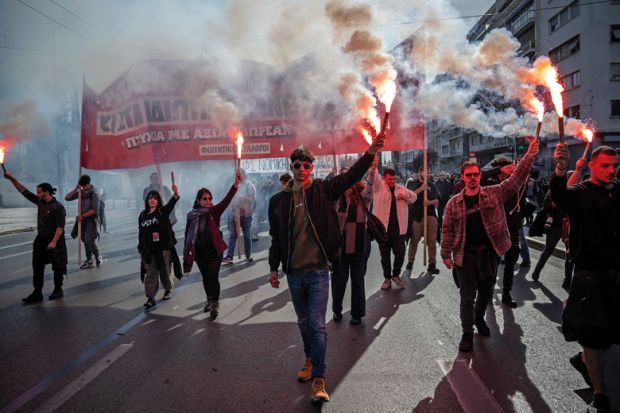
{"x": 204, "y": 243}
{"x": 155, "y": 243}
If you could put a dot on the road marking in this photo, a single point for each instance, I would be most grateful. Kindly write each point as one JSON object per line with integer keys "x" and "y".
{"x": 440, "y": 342}
{"x": 40, "y": 387}
{"x": 379, "y": 323}
{"x": 16, "y": 245}
{"x": 200, "y": 330}
{"x": 472, "y": 394}
{"x": 175, "y": 327}
{"x": 15, "y": 255}
{"x": 89, "y": 375}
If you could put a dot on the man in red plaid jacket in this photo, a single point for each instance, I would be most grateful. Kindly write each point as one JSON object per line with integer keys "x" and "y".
{"x": 474, "y": 236}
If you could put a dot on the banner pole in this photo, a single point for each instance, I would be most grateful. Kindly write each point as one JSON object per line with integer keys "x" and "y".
{"x": 238, "y": 211}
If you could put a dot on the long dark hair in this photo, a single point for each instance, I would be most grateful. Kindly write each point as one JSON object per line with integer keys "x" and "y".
{"x": 199, "y": 195}
{"x": 152, "y": 194}
{"x": 45, "y": 187}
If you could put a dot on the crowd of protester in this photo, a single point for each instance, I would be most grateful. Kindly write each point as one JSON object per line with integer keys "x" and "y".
{"x": 321, "y": 232}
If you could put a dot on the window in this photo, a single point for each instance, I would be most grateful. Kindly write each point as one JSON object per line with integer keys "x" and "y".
{"x": 615, "y": 108}
{"x": 572, "y": 112}
{"x": 564, "y": 16}
{"x": 615, "y": 32}
{"x": 565, "y": 50}
{"x": 615, "y": 71}
{"x": 571, "y": 81}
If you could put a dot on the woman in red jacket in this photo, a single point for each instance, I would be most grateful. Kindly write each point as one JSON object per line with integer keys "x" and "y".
{"x": 204, "y": 243}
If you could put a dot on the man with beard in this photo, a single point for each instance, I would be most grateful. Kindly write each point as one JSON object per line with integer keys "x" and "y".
{"x": 475, "y": 235}
{"x": 49, "y": 245}
{"x": 592, "y": 313}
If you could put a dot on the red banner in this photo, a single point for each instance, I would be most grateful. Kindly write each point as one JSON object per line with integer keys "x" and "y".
{"x": 126, "y": 127}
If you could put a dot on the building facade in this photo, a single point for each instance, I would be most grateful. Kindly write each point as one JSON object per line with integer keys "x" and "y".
{"x": 583, "y": 41}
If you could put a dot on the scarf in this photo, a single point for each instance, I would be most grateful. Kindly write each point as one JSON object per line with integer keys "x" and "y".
{"x": 352, "y": 221}
{"x": 191, "y": 234}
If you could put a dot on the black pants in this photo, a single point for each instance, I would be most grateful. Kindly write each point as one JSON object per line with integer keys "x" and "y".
{"x": 210, "y": 271}
{"x": 510, "y": 259}
{"x": 41, "y": 256}
{"x": 476, "y": 279}
{"x": 356, "y": 269}
{"x": 396, "y": 244}
{"x": 551, "y": 240}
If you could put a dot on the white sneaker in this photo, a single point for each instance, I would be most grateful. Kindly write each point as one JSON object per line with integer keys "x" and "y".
{"x": 227, "y": 260}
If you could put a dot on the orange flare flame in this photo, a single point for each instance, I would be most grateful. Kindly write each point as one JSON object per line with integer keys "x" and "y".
{"x": 555, "y": 88}
{"x": 239, "y": 141}
{"x": 539, "y": 107}
{"x": 386, "y": 93}
{"x": 237, "y": 135}
{"x": 1, "y": 154}
{"x": 367, "y": 136}
{"x": 587, "y": 134}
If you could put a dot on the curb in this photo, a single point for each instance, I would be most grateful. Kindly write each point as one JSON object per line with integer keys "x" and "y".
{"x": 29, "y": 229}
{"x": 539, "y": 245}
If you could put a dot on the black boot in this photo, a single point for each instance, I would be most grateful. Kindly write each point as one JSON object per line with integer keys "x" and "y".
{"x": 432, "y": 268}
{"x": 508, "y": 301}
{"x": 467, "y": 342}
{"x": 35, "y": 297}
{"x": 482, "y": 327}
{"x": 57, "y": 293}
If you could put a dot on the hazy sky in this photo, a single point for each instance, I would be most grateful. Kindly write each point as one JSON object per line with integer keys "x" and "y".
{"x": 100, "y": 39}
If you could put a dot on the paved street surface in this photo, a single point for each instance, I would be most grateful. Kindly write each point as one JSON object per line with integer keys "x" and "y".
{"x": 97, "y": 351}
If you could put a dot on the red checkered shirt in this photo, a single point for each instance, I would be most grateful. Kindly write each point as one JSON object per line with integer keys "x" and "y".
{"x": 491, "y": 202}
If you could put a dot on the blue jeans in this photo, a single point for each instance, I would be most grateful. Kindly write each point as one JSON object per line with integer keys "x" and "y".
{"x": 246, "y": 227}
{"x": 310, "y": 292}
{"x": 525, "y": 250}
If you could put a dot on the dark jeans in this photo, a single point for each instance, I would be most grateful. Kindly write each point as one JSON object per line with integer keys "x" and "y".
{"x": 510, "y": 259}
{"x": 551, "y": 240}
{"x": 476, "y": 279}
{"x": 210, "y": 271}
{"x": 356, "y": 269}
{"x": 310, "y": 293}
{"x": 89, "y": 237}
{"x": 396, "y": 244}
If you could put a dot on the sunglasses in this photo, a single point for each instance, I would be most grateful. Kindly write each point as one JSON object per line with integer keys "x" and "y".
{"x": 472, "y": 175}
{"x": 305, "y": 165}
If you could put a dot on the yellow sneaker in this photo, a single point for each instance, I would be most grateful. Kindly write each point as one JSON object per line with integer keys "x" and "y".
{"x": 319, "y": 394}
{"x": 305, "y": 373}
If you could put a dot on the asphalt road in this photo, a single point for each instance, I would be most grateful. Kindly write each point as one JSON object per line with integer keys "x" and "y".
{"x": 96, "y": 350}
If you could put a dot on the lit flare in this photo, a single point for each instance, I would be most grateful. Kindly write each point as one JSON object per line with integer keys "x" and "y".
{"x": 1, "y": 154}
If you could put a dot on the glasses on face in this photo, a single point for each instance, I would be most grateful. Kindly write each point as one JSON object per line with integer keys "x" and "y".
{"x": 472, "y": 175}
{"x": 305, "y": 165}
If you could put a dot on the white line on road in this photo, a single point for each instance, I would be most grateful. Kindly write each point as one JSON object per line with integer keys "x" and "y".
{"x": 16, "y": 245}
{"x": 379, "y": 323}
{"x": 89, "y": 375}
{"x": 472, "y": 394}
{"x": 175, "y": 327}
{"x": 15, "y": 255}
{"x": 200, "y": 330}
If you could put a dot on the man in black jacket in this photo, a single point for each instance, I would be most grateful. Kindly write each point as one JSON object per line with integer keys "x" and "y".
{"x": 49, "y": 245}
{"x": 592, "y": 312}
{"x": 305, "y": 238}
